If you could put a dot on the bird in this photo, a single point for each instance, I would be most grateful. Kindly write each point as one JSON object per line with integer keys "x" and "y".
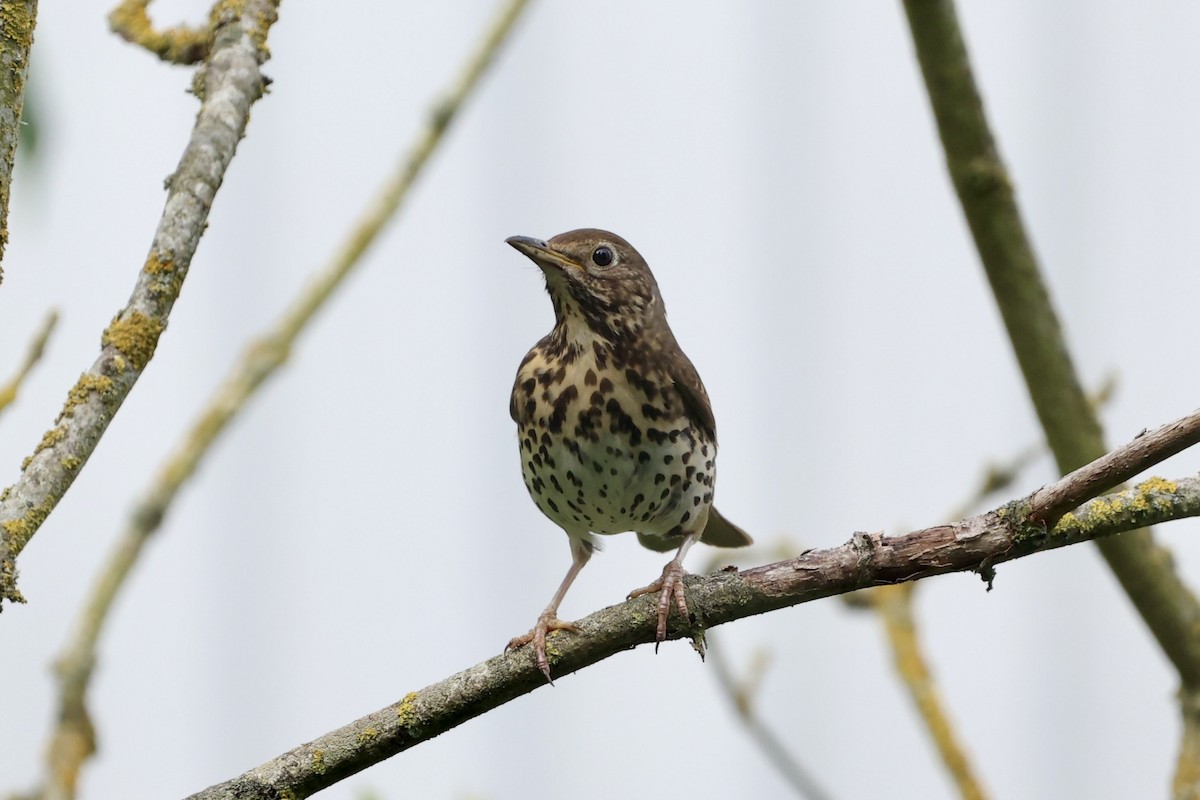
{"x": 615, "y": 428}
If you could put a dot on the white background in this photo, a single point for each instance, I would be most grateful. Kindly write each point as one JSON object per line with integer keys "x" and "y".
{"x": 362, "y": 530}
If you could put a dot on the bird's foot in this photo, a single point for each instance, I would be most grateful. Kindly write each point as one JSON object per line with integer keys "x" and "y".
{"x": 669, "y": 587}
{"x": 547, "y": 622}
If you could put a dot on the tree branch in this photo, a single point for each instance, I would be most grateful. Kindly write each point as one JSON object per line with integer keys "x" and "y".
{"x": 73, "y": 741}
{"x": 1072, "y": 430}
{"x": 177, "y": 45}
{"x": 17, "y": 19}
{"x": 228, "y": 84}
{"x": 975, "y": 544}
{"x": 8, "y": 392}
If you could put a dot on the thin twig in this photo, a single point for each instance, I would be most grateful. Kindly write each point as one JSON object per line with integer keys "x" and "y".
{"x": 228, "y": 83}
{"x": 742, "y": 696}
{"x": 71, "y": 741}
{"x": 37, "y": 347}
{"x": 1072, "y": 429}
{"x": 894, "y": 606}
{"x": 177, "y": 45}
{"x": 975, "y": 544}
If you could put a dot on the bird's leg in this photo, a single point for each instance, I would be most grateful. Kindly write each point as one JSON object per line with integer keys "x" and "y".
{"x": 581, "y": 551}
{"x": 670, "y": 587}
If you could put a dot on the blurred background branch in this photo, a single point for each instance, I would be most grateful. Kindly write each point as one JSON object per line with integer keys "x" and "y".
{"x": 73, "y": 740}
{"x": 177, "y": 45}
{"x": 1143, "y": 567}
{"x": 8, "y": 392}
{"x": 976, "y": 544}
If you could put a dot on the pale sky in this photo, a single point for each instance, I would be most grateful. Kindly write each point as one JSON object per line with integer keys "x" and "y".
{"x": 362, "y": 529}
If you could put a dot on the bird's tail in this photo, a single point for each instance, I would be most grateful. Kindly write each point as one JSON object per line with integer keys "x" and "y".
{"x": 720, "y": 532}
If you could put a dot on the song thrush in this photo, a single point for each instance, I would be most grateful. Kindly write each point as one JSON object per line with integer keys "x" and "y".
{"x": 616, "y": 431}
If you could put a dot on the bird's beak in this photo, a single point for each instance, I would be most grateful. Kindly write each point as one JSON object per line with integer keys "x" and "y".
{"x": 541, "y": 253}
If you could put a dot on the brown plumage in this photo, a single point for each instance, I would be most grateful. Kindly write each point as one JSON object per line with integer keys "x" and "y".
{"x": 616, "y": 429}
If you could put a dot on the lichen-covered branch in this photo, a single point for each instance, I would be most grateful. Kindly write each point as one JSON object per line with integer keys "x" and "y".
{"x": 975, "y": 544}
{"x": 177, "y": 45}
{"x": 985, "y": 191}
{"x": 8, "y": 392}
{"x": 228, "y": 84}
{"x": 72, "y": 741}
{"x": 17, "y": 19}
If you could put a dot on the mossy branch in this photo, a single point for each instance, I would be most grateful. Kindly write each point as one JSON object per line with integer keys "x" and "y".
{"x": 229, "y": 83}
{"x": 17, "y": 20}
{"x": 177, "y": 45}
{"x": 1072, "y": 429}
{"x": 976, "y": 544}
{"x": 72, "y": 741}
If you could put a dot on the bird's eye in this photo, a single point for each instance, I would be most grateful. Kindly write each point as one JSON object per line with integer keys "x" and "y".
{"x": 602, "y": 256}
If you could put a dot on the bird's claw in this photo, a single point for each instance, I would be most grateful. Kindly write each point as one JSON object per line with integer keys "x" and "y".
{"x": 547, "y": 622}
{"x": 669, "y": 587}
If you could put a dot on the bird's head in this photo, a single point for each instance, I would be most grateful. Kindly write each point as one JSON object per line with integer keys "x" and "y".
{"x": 596, "y": 279}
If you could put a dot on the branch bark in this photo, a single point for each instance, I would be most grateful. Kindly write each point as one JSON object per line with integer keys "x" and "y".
{"x": 72, "y": 741}
{"x": 975, "y": 544}
{"x": 1073, "y": 432}
{"x": 17, "y": 19}
{"x": 228, "y": 84}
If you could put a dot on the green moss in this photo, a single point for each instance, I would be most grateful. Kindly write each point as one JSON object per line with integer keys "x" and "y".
{"x": 134, "y": 337}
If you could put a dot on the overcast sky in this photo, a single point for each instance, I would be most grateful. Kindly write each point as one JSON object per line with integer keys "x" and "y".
{"x": 362, "y": 529}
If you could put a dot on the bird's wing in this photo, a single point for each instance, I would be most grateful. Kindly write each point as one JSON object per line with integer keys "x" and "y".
{"x": 695, "y": 399}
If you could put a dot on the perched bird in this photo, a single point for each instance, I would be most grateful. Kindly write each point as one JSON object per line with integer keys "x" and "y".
{"x": 616, "y": 431}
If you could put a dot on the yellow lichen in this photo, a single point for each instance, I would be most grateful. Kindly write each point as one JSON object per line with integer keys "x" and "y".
{"x": 1156, "y": 484}
{"x": 51, "y": 438}
{"x": 318, "y": 762}
{"x": 228, "y": 11}
{"x": 406, "y": 710}
{"x": 21, "y": 529}
{"x": 157, "y": 264}
{"x": 367, "y": 735}
{"x": 134, "y": 337}
{"x": 83, "y": 389}
{"x": 71, "y": 463}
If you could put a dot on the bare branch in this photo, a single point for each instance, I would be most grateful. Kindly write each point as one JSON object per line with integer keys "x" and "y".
{"x": 177, "y": 45}
{"x": 1147, "y": 449}
{"x": 228, "y": 84}
{"x": 1072, "y": 429}
{"x": 975, "y": 544}
{"x": 17, "y": 19}
{"x": 8, "y": 392}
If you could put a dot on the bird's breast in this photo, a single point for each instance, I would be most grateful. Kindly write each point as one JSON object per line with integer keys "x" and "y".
{"x": 606, "y": 446}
